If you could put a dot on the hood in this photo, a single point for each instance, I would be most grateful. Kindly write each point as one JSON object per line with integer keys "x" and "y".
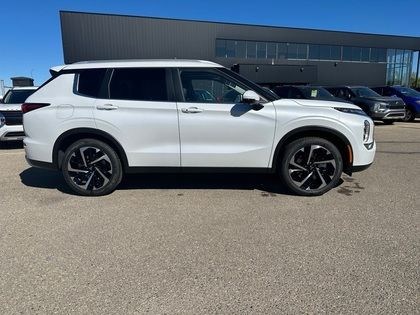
{"x": 319, "y": 103}
{"x": 10, "y": 107}
{"x": 382, "y": 98}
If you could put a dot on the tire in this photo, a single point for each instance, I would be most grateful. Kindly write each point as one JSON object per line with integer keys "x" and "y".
{"x": 388, "y": 122}
{"x": 91, "y": 179}
{"x": 409, "y": 115}
{"x": 311, "y": 178}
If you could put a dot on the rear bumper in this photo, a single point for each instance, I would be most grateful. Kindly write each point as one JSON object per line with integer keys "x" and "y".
{"x": 11, "y": 133}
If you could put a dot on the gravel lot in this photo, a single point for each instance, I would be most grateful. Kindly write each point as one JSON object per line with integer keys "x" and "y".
{"x": 214, "y": 243}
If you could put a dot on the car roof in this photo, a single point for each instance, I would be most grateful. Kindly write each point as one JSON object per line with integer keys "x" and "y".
{"x": 138, "y": 63}
{"x": 17, "y": 88}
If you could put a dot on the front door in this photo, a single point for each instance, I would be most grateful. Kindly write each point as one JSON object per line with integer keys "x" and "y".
{"x": 216, "y": 129}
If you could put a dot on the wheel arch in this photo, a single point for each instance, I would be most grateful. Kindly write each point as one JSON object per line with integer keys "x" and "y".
{"x": 334, "y": 136}
{"x": 70, "y": 136}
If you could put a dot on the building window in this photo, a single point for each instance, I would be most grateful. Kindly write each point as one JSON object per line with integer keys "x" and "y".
{"x": 271, "y": 51}
{"x": 230, "y": 48}
{"x": 281, "y": 51}
{"x": 378, "y": 55}
{"x": 415, "y": 75}
{"x": 240, "y": 50}
{"x": 220, "y": 48}
{"x": 352, "y": 53}
{"x": 399, "y": 62}
{"x": 261, "y": 50}
{"x": 335, "y": 52}
{"x": 400, "y": 65}
{"x": 365, "y": 54}
{"x": 347, "y": 53}
{"x": 297, "y": 51}
{"x": 324, "y": 52}
{"x": 251, "y": 49}
{"x": 314, "y": 52}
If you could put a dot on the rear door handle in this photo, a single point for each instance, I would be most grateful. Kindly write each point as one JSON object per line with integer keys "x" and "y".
{"x": 106, "y": 107}
{"x": 191, "y": 110}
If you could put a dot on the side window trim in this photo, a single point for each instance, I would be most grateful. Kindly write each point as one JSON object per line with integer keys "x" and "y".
{"x": 176, "y": 80}
{"x": 104, "y": 90}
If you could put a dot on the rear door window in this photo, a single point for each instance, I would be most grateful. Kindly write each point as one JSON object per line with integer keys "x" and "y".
{"x": 139, "y": 84}
{"x": 90, "y": 82}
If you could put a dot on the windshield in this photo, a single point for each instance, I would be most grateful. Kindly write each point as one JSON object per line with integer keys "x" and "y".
{"x": 17, "y": 96}
{"x": 316, "y": 93}
{"x": 408, "y": 92}
{"x": 364, "y": 92}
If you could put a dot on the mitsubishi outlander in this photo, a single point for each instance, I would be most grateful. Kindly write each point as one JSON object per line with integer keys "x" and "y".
{"x": 95, "y": 121}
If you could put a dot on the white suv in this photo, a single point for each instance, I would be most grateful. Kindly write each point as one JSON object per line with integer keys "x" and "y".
{"x": 95, "y": 121}
{"x": 10, "y": 113}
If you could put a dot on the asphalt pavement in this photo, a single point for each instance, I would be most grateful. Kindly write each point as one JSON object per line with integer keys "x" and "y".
{"x": 214, "y": 243}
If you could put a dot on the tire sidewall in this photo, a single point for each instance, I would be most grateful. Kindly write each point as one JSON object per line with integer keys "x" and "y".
{"x": 115, "y": 162}
{"x": 292, "y": 148}
{"x": 409, "y": 115}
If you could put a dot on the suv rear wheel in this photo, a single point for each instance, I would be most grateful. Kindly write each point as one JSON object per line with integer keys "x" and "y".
{"x": 91, "y": 168}
{"x": 311, "y": 166}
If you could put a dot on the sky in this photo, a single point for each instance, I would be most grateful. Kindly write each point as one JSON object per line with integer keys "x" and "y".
{"x": 31, "y": 34}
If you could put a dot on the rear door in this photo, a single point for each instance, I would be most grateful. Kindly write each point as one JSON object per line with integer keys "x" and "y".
{"x": 141, "y": 114}
{"x": 216, "y": 129}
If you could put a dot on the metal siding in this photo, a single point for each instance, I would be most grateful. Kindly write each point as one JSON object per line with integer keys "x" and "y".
{"x": 89, "y": 36}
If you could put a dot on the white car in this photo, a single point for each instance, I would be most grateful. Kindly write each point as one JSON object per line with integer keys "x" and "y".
{"x": 95, "y": 121}
{"x": 10, "y": 109}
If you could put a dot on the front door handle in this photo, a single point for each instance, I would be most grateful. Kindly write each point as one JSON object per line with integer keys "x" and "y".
{"x": 107, "y": 107}
{"x": 191, "y": 110}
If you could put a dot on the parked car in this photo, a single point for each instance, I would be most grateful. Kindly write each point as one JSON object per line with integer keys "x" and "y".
{"x": 410, "y": 97}
{"x": 10, "y": 108}
{"x": 109, "y": 118}
{"x": 306, "y": 92}
{"x": 386, "y": 109}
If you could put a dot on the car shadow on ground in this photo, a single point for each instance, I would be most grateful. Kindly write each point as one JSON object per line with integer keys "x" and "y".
{"x": 381, "y": 123}
{"x": 10, "y": 145}
{"x": 266, "y": 183}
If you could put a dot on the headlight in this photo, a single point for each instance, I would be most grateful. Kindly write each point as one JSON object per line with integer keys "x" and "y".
{"x": 351, "y": 111}
{"x": 380, "y": 107}
{"x": 2, "y": 121}
{"x": 366, "y": 131}
{"x": 418, "y": 102}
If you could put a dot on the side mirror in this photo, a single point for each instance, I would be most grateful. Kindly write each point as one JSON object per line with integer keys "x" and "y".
{"x": 250, "y": 97}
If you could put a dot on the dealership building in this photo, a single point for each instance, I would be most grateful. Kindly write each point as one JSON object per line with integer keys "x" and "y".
{"x": 268, "y": 55}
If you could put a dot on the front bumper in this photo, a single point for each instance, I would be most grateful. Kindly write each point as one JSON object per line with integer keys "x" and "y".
{"x": 359, "y": 168}
{"x": 11, "y": 133}
{"x": 390, "y": 114}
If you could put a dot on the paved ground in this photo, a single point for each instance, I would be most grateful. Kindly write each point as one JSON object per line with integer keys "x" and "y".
{"x": 214, "y": 244}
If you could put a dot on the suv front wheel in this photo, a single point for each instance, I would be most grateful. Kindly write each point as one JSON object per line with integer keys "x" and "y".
{"x": 311, "y": 166}
{"x": 91, "y": 168}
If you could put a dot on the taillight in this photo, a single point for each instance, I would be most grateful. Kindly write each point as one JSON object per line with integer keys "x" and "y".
{"x": 27, "y": 107}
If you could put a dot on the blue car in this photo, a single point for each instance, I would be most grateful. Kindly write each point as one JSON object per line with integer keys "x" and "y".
{"x": 410, "y": 97}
